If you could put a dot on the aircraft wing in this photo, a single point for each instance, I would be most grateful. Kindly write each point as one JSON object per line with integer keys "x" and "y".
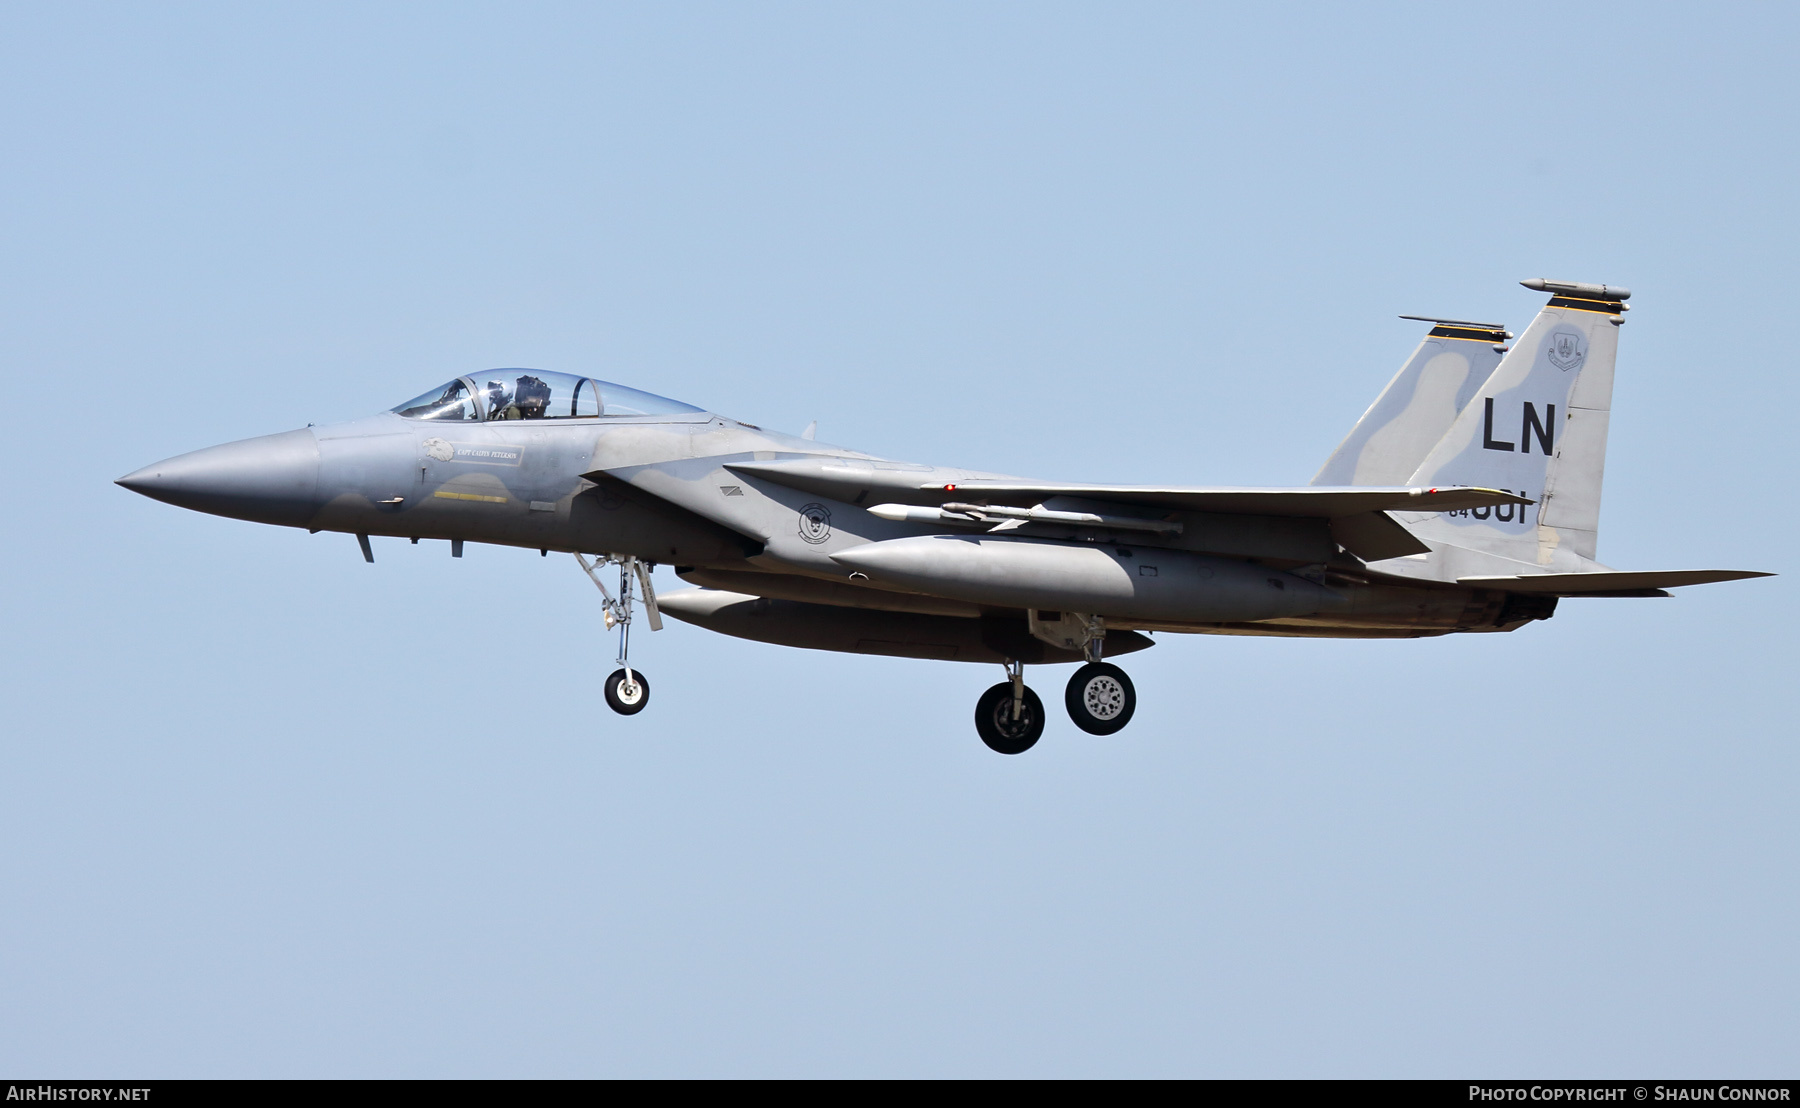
{"x": 1609, "y": 582}
{"x": 1319, "y": 502}
{"x": 854, "y": 481}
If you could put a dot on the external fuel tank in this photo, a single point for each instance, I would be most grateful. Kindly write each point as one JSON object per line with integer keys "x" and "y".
{"x": 1105, "y": 579}
{"x": 995, "y": 637}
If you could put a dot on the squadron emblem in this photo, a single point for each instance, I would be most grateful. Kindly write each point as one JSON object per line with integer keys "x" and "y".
{"x": 439, "y": 449}
{"x": 1566, "y": 350}
{"x": 815, "y": 523}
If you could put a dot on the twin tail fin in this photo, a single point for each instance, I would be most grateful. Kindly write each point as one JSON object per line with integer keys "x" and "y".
{"x": 1536, "y": 427}
{"x": 1418, "y": 406}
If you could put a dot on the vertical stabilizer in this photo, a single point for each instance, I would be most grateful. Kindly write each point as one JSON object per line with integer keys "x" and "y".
{"x": 1419, "y": 404}
{"x": 1536, "y": 427}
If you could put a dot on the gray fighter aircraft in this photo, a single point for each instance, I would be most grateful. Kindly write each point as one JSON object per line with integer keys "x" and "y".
{"x": 1467, "y": 498}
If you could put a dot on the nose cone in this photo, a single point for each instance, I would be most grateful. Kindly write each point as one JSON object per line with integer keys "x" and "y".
{"x": 272, "y": 479}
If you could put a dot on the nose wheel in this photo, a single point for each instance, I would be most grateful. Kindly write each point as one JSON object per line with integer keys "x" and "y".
{"x": 1100, "y": 698}
{"x": 627, "y": 691}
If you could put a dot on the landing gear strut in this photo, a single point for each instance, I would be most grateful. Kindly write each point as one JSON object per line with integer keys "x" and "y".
{"x": 1009, "y": 717}
{"x": 627, "y": 690}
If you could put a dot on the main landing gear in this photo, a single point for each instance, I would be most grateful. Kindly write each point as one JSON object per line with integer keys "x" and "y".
{"x": 1010, "y": 718}
{"x": 1100, "y": 698}
{"x": 627, "y": 691}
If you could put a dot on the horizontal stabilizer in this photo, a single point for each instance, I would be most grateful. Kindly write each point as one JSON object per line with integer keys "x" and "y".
{"x": 1610, "y": 581}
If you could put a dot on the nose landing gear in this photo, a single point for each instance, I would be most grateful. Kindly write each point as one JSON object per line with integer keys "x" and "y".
{"x": 627, "y": 691}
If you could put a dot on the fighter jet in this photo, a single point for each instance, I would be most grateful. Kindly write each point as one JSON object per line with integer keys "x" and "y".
{"x": 1466, "y": 499}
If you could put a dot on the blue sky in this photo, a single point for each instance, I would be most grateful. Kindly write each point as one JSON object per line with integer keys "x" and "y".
{"x": 273, "y": 811}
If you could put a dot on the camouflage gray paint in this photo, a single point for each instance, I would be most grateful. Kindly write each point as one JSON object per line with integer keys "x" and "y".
{"x": 1466, "y": 499}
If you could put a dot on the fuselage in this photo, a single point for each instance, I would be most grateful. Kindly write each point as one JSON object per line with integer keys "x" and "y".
{"x": 786, "y": 518}
{"x": 1467, "y": 498}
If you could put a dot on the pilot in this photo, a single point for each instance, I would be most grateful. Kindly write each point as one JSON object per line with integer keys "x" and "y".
{"x": 497, "y": 401}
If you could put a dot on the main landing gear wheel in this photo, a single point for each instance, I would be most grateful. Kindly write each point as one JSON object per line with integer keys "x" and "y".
{"x": 627, "y": 693}
{"x": 1100, "y": 698}
{"x": 999, "y": 728}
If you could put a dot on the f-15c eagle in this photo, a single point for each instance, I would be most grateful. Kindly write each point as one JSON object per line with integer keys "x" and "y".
{"x": 1467, "y": 498}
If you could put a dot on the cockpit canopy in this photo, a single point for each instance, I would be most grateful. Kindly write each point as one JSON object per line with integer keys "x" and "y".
{"x": 536, "y": 394}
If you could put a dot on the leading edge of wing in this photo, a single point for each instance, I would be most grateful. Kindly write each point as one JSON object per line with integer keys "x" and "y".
{"x": 1321, "y": 502}
{"x": 853, "y": 480}
{"x": 1609, "y": 581}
